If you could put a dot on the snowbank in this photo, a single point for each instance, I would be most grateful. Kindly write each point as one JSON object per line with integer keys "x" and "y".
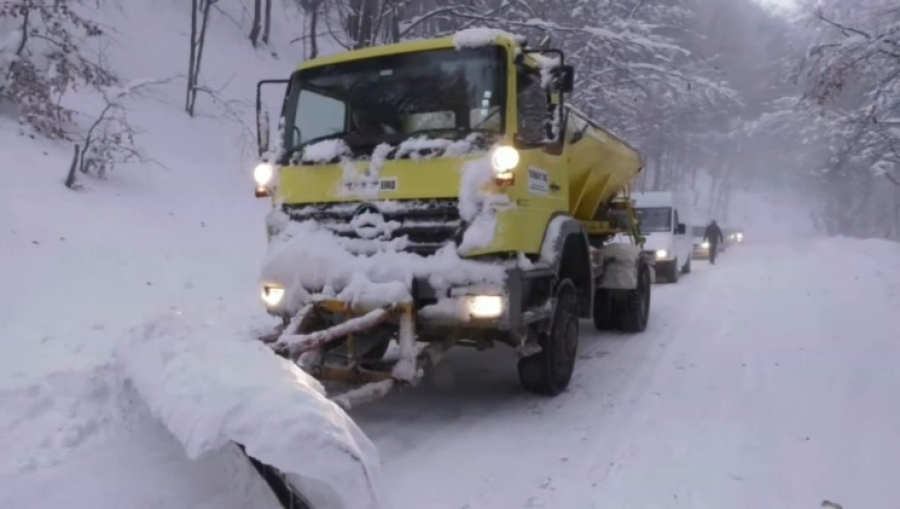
{"x": 211, "y": 386}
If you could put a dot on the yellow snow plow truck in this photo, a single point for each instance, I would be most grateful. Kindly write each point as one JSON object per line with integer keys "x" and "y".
{"x": 440, "y": 193}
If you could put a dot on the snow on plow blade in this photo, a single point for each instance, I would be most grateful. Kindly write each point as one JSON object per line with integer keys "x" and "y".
{"x": 298, "y": 343}
{"x": 211, "y": 387}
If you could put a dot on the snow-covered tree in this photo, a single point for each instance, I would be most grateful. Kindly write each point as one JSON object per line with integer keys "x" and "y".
{"x": 852, "y": 78}
{"x": 41, "y": 59}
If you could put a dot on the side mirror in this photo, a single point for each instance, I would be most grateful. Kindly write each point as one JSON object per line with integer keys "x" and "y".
{"x": 567, "y": 79}
{"x": 262, "y": 131}
{"x": 682, "y": 229}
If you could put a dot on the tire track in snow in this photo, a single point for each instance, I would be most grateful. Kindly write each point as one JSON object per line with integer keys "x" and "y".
{"x": 537, "y": 448}
{"x": 786, "y": 405}
{"x": 635, "y": 389}
{"x": 698, "y": 331}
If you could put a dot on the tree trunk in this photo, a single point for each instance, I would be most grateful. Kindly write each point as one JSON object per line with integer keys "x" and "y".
{"x": 192, "y": 60}
{"x": 256, "y": 25}
{"x": 313, "y": 27}
{"x": 201, "y": 39}
{"x": 267, "y": 26}
{"x": 72, "y": 177}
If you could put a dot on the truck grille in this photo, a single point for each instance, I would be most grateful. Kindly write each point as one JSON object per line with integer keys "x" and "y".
{"x": 420, "y": 226}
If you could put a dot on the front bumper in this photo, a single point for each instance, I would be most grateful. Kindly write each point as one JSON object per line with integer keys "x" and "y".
{"x": 701, "y": 253}
{"x": 471, "y": 305}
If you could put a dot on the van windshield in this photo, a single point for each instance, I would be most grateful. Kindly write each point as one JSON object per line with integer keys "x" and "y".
{"x": 698, "y": 231}
{"x": 656, "y": 219}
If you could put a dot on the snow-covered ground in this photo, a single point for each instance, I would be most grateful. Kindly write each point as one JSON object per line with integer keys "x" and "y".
{"x": 92, "y": 276}
{"x": 766, "y": 381}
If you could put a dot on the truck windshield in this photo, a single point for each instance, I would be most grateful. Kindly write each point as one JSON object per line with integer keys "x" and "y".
{"x": 445, "y": 93}
{"x": 656, "y": 219}
{"x": 698, "y": 231}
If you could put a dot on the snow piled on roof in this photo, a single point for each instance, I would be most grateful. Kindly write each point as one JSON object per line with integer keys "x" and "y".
{"x": 210, "y": 387}
{"x": 477, "y": 37}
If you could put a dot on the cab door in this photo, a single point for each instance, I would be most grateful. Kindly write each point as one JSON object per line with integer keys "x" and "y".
{"x": 545, "y": 183}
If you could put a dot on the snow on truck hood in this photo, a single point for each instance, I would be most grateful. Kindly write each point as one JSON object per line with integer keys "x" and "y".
{"x": 211, "y": 383}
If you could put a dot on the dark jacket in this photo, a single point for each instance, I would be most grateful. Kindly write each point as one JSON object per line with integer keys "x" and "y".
{"x": 713, "y": 234}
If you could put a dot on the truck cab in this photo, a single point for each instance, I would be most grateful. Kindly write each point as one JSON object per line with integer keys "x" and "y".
{"x": 444, "y": 192}
{"x": 664, "y": 221}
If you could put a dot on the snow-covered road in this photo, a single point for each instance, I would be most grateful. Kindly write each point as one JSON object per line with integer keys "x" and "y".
{"x": 768, "y": 380}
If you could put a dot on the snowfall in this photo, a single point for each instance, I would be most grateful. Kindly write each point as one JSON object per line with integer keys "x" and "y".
{"x": 767, "y": 380}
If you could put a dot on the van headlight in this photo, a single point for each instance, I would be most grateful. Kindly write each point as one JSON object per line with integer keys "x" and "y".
{"x": 661, "y": 254}
{"x": 705, "y": 245}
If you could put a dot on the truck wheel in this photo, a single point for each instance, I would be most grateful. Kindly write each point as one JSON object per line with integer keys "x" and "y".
{"x": 604, "y": 315}
{"x": 674, "y": 271}
{"x": 687, "y": 267}
{"x": 635, "y": 308}
{"x": 549, "y": 371}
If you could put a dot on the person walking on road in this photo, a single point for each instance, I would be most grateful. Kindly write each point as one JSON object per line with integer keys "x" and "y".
{"x": 714, "y": 236}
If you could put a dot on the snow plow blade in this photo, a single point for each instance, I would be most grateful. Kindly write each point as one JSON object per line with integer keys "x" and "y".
{"x": 213, "y": 387}
{"x": 303, "y": 342}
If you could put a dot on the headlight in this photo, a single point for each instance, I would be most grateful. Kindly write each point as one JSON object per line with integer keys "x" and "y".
{"x": 740, "y": 236}
{"x": 272, "y": 295}
{"x": 662, "y": 253}
{"x": 705, "y": 245}
{"x": 504, "y": 159}
{"x": 486, "y": 306}
{"x": 263, "y": 174}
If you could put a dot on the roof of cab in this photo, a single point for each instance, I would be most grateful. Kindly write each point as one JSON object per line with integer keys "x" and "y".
{"x": 654, "y": 199}
{"x": 396, "y": 48}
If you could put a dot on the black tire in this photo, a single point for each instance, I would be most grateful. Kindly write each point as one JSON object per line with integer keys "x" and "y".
{"x": 687, "y": 267}
{"x": 635, "y": 308}
{"x": 549, "y": 371}
{"x": 674, "y": 271}
{"x": 604, "y": 312}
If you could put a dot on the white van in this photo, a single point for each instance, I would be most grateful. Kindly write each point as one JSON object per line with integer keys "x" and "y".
{"x": 665, "y": 222}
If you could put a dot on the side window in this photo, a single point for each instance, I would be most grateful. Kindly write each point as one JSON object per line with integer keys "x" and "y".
{"x": 318, "y": 115}
{"x": 532, "y": 107}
